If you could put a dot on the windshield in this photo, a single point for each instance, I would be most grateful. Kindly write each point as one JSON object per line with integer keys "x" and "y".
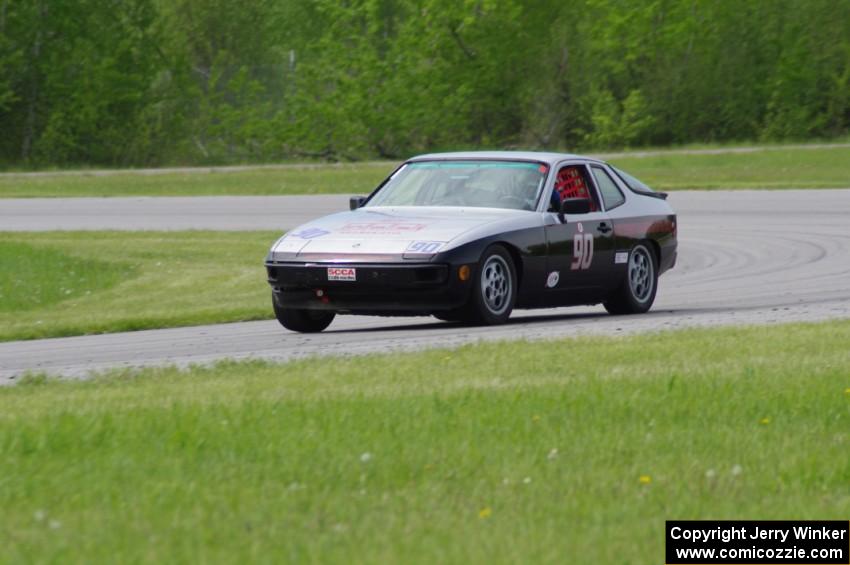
{"x": 513, "y": 185}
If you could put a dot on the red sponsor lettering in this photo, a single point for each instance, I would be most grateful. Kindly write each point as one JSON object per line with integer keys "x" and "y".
{"x": 382, "y": 227}
{"x": 342, "y": 274}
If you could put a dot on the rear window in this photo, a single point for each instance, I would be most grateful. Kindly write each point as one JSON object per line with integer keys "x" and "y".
{"x": 631, "y": 181}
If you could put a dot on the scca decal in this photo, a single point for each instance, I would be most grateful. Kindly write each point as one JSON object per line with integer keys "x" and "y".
{"x": 342, "y": 274}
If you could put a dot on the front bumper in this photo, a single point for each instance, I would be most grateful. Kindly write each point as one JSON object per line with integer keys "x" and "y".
{"x": 379, "y": 288}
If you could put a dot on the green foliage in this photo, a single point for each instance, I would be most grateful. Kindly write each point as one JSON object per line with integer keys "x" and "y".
{"x": 618, "y": 125}
{"x": 147, "y": 82}
{"x": 636, "y": 120}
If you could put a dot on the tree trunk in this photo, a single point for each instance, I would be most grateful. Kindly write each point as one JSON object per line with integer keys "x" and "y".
{"x": 34, "y": 91}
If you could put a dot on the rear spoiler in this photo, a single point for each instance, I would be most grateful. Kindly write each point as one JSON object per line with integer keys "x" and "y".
{"x": 661, "y": 195}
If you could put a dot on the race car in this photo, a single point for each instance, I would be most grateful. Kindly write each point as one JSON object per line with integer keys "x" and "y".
{"x": 469, "y": 237}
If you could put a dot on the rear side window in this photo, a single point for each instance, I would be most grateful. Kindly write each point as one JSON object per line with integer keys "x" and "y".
{"x": 631, "y": 181}
{"x": 611, "y": 195}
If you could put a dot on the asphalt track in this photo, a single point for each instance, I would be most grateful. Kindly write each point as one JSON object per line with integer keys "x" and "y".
{"x": 225, "y": 213}
{"x": 746, "y": 257}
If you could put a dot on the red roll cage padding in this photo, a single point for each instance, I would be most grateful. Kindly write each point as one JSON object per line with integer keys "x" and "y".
{"x": 571, "y": 184}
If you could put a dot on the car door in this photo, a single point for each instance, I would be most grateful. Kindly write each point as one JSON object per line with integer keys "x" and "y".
{"x": 580, "y": 246}
{"x": 612, "y": 198}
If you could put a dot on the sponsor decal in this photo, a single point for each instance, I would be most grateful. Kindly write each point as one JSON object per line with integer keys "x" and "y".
{"x": 621, "y": 257}
{"x": 342, "y": 274}
{"x": 423, "y": 247}
{"x": 552, "y": 279}
{"x": 311, "y": 233}
{"x": 382, "y": 228}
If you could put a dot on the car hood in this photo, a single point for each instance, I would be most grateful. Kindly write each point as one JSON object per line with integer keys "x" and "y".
{"x": 383, "y": 233}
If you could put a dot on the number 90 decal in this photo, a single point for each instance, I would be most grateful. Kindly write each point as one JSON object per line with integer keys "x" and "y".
{"x": 423, "y": 247}
{"x": 582, "y": 251}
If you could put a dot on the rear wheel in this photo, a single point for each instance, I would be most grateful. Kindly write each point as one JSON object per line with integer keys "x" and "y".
{"x": 300, "y": 320}
{"x": 494, "y": 289}
{"x": 637, "y": 292}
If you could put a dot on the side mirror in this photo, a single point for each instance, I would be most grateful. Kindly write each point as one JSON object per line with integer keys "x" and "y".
{"x": 575, "y": 206}
{"x": 356, "y": 202}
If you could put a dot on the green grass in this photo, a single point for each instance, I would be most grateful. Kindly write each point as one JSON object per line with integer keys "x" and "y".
{"x": 774, "y": 168}
{"x": 574, "y": 451}
{"x": 309, "y": 179}
{"x": 70, "y": 283}
{"x": 34, "y": 277}
{"x": 780, "y": 168}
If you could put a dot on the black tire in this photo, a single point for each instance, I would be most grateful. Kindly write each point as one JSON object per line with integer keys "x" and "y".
{"x": 637, "y": 292}
{"x": 494, "y": 288}
{"x": 303, "y": 321}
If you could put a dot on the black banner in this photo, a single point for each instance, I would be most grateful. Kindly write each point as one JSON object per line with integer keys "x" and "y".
{"x": 697, "y": 542}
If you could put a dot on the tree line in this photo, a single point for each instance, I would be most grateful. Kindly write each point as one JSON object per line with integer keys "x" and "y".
{"x": 150, "y": 82}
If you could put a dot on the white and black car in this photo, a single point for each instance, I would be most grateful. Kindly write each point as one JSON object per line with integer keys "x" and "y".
{"x": 471, "y": 236}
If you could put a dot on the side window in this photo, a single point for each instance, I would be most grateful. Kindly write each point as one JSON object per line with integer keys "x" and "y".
{"x": 572, "y": 182}
{"x": 611, "y": 195}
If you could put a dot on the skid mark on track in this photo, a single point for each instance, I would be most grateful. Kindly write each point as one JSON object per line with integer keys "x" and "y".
{"x": 786, "y": 263}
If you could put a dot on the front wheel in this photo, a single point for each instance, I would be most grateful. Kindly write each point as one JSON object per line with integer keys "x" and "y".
{"x": 637, "y": 293}
{"x": 301, "y": 320}
{"x": 495, "y": 287}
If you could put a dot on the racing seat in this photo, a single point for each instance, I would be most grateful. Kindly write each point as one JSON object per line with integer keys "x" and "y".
{"x": 570, "y": 183}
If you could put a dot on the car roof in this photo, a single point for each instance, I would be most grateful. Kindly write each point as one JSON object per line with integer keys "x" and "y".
{"x": 539, "y": 156}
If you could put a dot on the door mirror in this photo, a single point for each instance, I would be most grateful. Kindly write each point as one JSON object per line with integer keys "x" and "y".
{"x": 356, "y": 202}
{"x": 571, "y": 206}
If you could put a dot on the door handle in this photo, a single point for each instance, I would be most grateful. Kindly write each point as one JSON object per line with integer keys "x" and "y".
{"x": 603, "y": 227}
